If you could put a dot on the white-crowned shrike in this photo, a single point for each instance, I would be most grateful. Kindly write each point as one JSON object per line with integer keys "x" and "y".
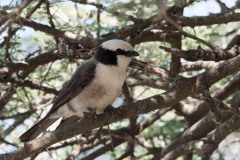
{"x": 94, "y": 85}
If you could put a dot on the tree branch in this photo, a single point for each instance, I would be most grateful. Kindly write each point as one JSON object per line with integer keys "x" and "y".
{"x": 185, "y": 87}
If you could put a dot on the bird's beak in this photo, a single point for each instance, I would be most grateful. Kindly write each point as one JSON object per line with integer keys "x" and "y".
{"x": 132, "y": 54}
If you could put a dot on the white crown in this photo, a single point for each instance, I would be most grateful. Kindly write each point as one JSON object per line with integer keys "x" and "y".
{"x": 115, "y": 44}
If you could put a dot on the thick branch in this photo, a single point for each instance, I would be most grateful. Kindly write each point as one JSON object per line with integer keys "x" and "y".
{"x": 201, "y": 54}
{"x": 209, "y": 20}
{"x": 185, "y": 86}
{"x": 58, "y": 33}
{"x": 29, "y": 64}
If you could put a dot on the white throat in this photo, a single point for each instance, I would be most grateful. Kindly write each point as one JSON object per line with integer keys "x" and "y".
{"x": 123, "y": 62}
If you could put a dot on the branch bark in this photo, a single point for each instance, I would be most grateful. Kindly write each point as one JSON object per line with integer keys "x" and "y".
{"x": 184, "y": 87}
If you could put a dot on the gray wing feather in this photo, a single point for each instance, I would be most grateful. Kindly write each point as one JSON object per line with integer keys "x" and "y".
{"x": 80, "y": 79}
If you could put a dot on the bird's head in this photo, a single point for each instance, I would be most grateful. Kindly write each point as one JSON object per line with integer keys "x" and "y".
{"x": 115, "y": 52}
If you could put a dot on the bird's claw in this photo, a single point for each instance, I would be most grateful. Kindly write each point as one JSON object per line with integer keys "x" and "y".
{"x": 90, "y": 114}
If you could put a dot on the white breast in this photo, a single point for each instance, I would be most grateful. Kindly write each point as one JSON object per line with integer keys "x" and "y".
{"x": 100, "y": 93}
{"x": 111, "y": 78}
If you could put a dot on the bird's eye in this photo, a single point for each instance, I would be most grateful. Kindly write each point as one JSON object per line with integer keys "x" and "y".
{"x": 119, "y": 51}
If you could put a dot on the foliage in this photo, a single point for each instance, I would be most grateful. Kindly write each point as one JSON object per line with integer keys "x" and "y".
{"x": 29, "y": 81}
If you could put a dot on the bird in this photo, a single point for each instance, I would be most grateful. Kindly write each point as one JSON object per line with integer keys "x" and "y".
{"x": 93, "y": 87}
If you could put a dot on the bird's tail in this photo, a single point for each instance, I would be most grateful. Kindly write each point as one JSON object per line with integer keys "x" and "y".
{"x": 37, "y": 129}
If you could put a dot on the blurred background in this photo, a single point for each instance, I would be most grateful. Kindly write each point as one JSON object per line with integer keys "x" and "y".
{"x": 32, "y": 73}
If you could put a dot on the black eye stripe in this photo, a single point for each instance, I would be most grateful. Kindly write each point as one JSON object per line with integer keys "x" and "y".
{"x": 118, "y": 51}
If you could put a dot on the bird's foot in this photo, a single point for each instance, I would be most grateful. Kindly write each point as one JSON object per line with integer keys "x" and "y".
{"x": 114, "y": 111}
{"x": 90, "y": 114}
